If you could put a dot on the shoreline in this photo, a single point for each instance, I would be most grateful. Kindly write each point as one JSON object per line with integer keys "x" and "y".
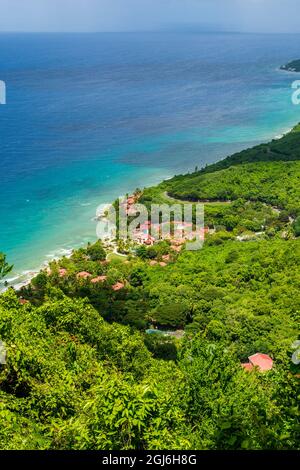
{"x": 26, "y": 276}
{"x": 280, "y": 136}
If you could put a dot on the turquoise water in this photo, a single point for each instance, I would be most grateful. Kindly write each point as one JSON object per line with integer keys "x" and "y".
{"x": 91, "y": 116}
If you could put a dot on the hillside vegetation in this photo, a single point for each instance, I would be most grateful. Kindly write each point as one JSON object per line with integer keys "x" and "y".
{"x": 275, "y": 183}
{"x": 83, "y": 371}
{"x": 257, "y": 184}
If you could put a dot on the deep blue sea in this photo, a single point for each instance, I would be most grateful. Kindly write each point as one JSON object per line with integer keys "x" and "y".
{"x": 90, "y": 116}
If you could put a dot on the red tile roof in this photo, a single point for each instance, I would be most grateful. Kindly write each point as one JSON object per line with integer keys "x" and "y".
{"x": 83, "y": 275}
{"x": 118, "y": 286}
{"x": 147, "y": 239}
{"x": 131, "y": 200}
{"x": 153, "y": 263}
{"x": 176, "y": 248}
{"x": 98, "y": 279}
{"x": 262, "y": 361}
{"x": 178, "y": 242}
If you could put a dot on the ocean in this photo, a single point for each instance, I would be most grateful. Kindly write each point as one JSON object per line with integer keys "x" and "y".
{"x": 92, "y": 116}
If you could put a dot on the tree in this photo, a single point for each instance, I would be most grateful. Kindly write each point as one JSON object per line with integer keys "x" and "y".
{"x": 138, "y": 276}
{"x": 296, "y": 227}
{"x": 172, "y": 315}
{"x": 229, "y": 407}
{"x": 96, "y": 252}
{"x": 141, "y": 252}
{"x": 5, "y": 268}
{"x": 40, "y": 281}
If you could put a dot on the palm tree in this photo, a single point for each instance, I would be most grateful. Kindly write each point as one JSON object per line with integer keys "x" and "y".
{"x": 5, "y": 268}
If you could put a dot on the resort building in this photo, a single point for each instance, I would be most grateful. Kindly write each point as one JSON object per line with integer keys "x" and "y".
{"x": 83, "y": 275}
{"x": 262, "y": 361}
{"x": 98, "y": 279}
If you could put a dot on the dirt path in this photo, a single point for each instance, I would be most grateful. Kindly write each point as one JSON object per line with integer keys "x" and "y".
{"x": 203, "y": 201}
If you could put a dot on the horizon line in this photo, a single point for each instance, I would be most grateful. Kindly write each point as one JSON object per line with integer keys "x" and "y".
{"x": 168, "y": 31}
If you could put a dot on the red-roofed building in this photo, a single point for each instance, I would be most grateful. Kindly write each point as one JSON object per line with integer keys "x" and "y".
{"x": 83, "y": 275}
{"x": 153, "y": 263}
{"x": 149, "y": 241}
{"x": 118, "y": 286}
{"x": 260, "y": 360}
{"x": 176, "y": 248}
{"x": 23, "y": 301}
{"x": 130, "y": 200}
{"x": 178, "y": 242}
{"x": 98, "y": 279}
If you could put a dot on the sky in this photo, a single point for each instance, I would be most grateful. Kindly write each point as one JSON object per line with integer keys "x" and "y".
{"x": 140, "y": 15}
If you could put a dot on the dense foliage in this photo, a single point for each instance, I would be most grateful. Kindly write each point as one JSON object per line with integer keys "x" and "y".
{"x": 275, "y": 183}
{"x": 86, "y": 367}
{"x": 73, "y": 381}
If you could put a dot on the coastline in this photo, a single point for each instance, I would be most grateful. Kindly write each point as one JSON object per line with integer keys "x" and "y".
{"x": 280, "y": 136}
{"x": 22, "y": 277}
{"x": 19, "y": 280}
